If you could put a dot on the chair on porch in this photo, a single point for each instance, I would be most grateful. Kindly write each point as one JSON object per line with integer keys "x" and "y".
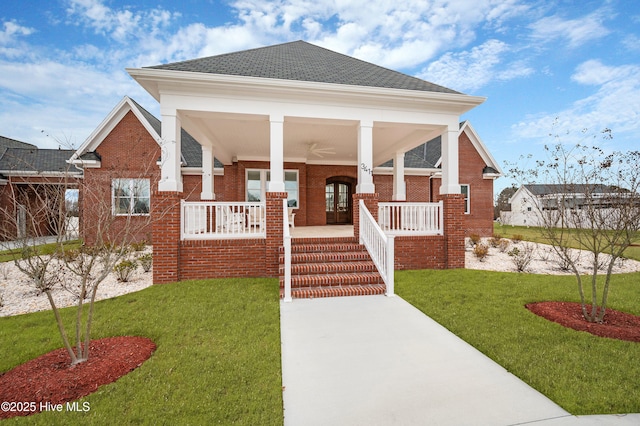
{"x": 256, "y": 217}
{"x": 228, "y": 221}
{"x": 292, "y": 217}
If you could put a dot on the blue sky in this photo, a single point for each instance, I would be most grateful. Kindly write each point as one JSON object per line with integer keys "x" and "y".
{"x": 575, "y": 63}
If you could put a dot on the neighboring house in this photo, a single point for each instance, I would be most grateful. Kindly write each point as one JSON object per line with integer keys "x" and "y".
{"x": 530, "y": 202}
{"x": 243, "y": 132}
{"x": 29, "y": 177}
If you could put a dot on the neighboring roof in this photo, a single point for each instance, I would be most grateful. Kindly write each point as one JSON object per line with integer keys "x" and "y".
{"x": 12, "y": 143}
{"x": 552, "y": 189}
{"x": 191, "y": 149}
{"x": 302, "y": 61}
{"x": 30, "y": 160}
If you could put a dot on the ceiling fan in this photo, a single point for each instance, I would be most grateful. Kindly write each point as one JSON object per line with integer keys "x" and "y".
{"x": 314, "y": 148}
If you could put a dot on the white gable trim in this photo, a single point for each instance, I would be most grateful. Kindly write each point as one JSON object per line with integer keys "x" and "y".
{"x": 108, "y": 124}
{"x": 480, "y": 147}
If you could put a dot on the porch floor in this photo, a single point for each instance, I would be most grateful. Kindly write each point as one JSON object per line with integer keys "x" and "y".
{"x": 327, "y": 231}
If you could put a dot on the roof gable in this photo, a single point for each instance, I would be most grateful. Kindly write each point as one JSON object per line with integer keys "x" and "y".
{"x": 302, "y": 61}
{"x": 191, "y": 149}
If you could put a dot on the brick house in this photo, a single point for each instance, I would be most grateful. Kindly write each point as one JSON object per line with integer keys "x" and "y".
{"x": 254, "y": 144}
{"x": 29, "y": 179}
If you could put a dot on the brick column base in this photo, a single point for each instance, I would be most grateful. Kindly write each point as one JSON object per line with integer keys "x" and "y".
{"x": 274, "y": 223}
{"x": 454, "y": 219}
{"x": 371, "y": 201}
{"x": 165, "y": 216}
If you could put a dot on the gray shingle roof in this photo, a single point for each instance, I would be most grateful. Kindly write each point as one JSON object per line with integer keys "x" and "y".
{"x": 550, "y": 189}
{"x": 302, "y": 61}
{"x": 424, "y": 156}
{"x": 12, "y": 143}
{"x": 35, "y": 160}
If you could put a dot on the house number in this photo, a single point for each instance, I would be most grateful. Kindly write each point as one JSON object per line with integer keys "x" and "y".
{"x": 366, "y": 168}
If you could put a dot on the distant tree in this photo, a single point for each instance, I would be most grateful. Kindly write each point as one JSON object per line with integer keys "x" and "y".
{"x": 502, "y": 201}
{"x": 597, "y": 209}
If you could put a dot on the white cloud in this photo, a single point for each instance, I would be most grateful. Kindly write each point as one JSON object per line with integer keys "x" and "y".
{"x": 614, "y": 104}
{"x": 576, "y": 32}
{"x": 473, "y": 69}
{"x": 11, "y": 31}
{"x": 119, "y": 24}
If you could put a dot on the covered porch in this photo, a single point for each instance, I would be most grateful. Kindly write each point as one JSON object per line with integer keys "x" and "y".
{"x": 286, "y": 137}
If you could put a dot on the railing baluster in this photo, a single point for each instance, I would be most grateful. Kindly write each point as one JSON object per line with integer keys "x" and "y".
{"x": 402, "y": 218}
{"x": 216, "y": 220}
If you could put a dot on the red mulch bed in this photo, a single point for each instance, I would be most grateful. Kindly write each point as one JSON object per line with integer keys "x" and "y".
{"x": 616, "y": 325}
{"x": 50, "y": 377}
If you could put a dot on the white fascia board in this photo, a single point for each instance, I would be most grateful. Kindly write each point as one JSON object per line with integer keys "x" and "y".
{"x": 85, "y": 164}
{"x": 480, "y": 146}
{"x": 197, "y": 171}
{"x": 44, "y": 174}
{"x": 157, "y": 82}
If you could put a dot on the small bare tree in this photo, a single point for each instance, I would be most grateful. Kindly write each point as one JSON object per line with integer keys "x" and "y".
{"x": 587, "y": 198}
{"x": 113, "y": 224}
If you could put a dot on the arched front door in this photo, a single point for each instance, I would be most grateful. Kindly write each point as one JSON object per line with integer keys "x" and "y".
{"x": 339, "y": 200}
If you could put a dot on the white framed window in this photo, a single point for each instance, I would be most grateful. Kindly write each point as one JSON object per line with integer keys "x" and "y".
{"x": 130, "y": 196}
{"x": 257, "y": 183}
{"x": 464, "y": 189}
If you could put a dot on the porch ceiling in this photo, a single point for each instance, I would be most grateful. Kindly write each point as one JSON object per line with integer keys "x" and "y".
{"x": 310, "y": 140}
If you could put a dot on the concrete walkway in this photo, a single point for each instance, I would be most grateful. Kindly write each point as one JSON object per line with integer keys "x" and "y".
{"x": 374, "y": 360}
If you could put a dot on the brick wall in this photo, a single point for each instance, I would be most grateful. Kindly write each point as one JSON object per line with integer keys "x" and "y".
{"x": 165, "y": 208}
{"x": 223, "y": 258}
{"x": 419, "y": 252}
{"x": 128, "y": 152}
{"x": 454, "y": 226}
{"x": 480, "y": 218}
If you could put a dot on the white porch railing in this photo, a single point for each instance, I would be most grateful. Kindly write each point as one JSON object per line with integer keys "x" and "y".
{"x": 287, "y": 251}
{"x": 203, "y": 220}
{"x": 403, "y": 218}
{"x": 379, "y": 246}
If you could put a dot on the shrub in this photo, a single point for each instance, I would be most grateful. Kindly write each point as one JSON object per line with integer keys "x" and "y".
{"x": 474, "y": 239}
{"x": 495, "y": 241}
{"x": 517, "y": 238}
{"x": 481, "y": 251}
{"x": 522, "y": 257}
{"x": 504, "y": 245}
{"x": 139, "y": 246}
{"x": 146, "y": 260}
{"x": 124, "y": 270}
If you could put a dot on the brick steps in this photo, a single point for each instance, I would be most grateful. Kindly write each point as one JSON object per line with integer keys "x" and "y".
{"x": 331, "y": 267}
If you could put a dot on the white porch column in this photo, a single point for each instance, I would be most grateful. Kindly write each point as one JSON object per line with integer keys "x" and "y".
{"x": 399, "y": 186}
{"x": 450, "y": 182}
{"x": 170, "y": 167}
{"x": 208, "y": 190}
{"x": 276, "y": 147}
{"x": 365, "y": 158}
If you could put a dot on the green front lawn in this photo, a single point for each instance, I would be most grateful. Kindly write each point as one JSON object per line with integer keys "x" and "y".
{"x": 582, "y": 373}
{"x": 217, "y": 361}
